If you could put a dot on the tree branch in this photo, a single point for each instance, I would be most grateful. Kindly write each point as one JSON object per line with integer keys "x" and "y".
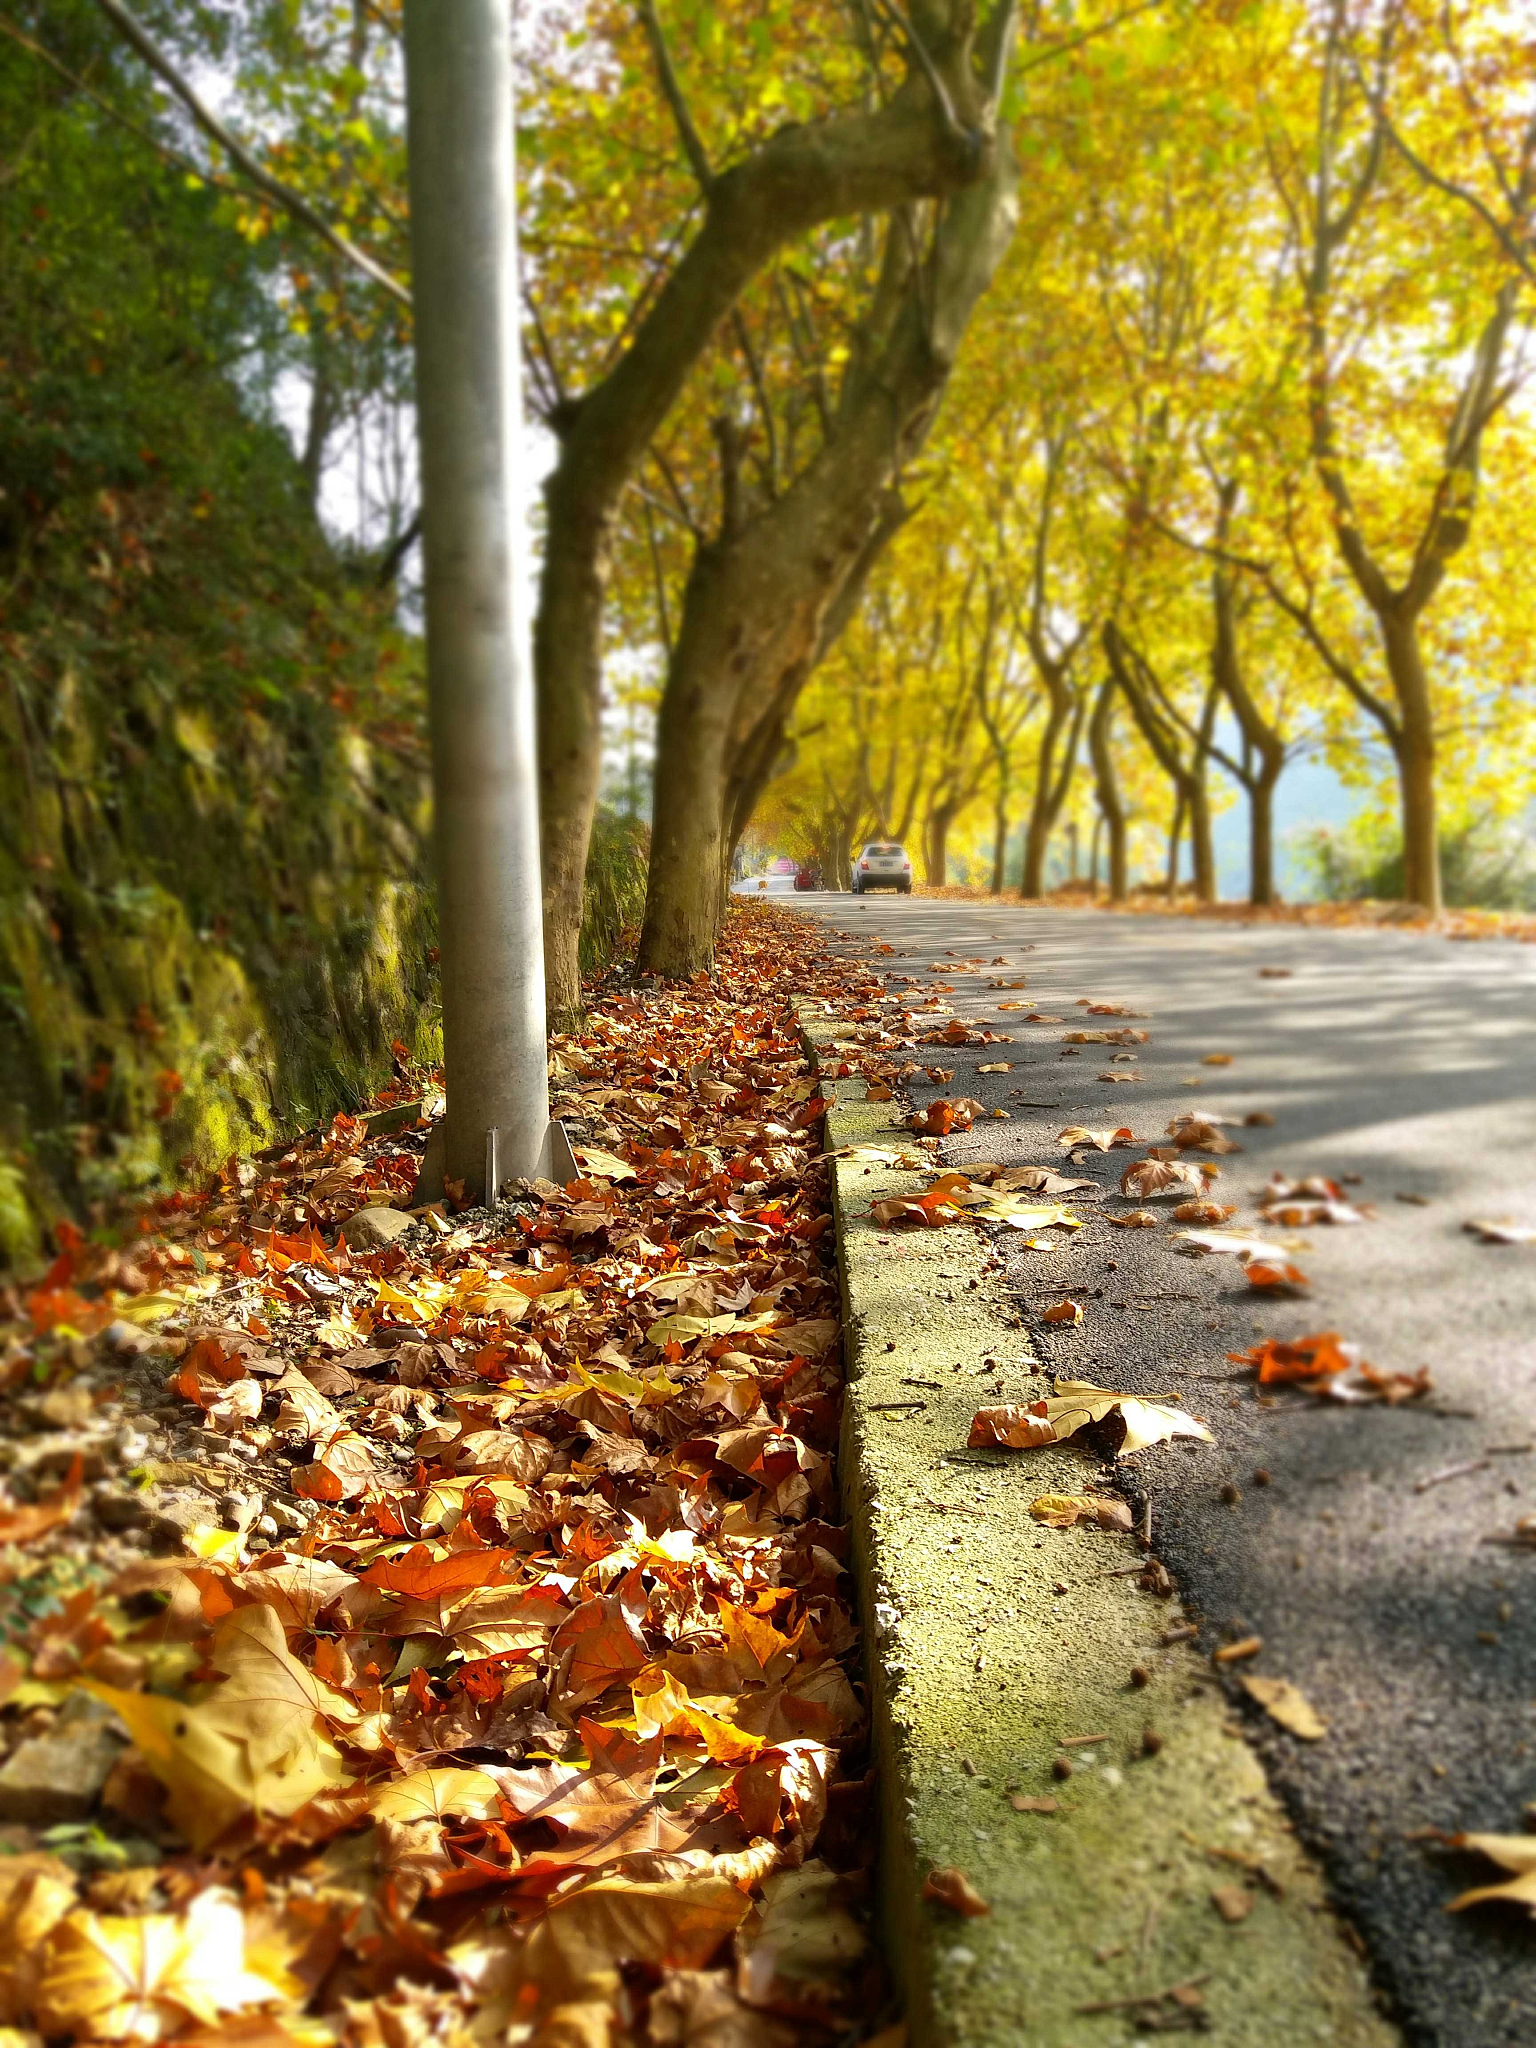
{"x": 672, "y": 92}
{"x": 292, "y": 203}
{"x": 163, "y": 149}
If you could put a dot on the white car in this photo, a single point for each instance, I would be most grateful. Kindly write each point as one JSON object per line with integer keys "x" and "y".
{"x": 883, "y": 864}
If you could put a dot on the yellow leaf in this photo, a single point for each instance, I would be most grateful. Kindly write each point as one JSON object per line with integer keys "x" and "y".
{"x": 431, "y": 1795}
{"x": 1285, "y": 1703}
{"x": 35, "y": 1893}
{"x": 106, "y": 1978}
{"x": 668, "y": 1710}
{"x": 254, "y": 1745}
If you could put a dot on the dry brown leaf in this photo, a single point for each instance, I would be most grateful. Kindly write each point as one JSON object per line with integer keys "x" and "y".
{"x": 1077, "y": 1405}
{"x": 952, "y": 1888}
{"x": 1234, "y": 1902}
{"x": 25, "y": 1524}
{"x": 1063, "y": 1312}
{"x": 1277, "y": 1360}
{"x": 1516, "y": 1853}
{"x": 1217, "y": 1059}
{"x": 1503, "y": 1231}
{"x": 1066, "y": 1510}
{"x": 1101, "y": 1141}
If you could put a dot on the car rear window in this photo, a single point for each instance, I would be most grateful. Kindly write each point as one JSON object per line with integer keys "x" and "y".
{"x": 882, "y": 846}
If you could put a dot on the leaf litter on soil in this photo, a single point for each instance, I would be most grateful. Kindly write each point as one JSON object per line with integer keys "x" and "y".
{"x": 496, "y": 1667}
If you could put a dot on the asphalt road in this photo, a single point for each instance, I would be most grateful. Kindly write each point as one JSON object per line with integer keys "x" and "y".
{"x": 1409, "y": 1062}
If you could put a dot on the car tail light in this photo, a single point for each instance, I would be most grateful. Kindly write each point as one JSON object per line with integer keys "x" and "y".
{"x": 864, "y": 867}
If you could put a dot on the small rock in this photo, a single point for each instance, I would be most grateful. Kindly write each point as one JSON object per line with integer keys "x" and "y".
{"x": 58, "y": 1777}
{"x": 370, "y": 1230}
{"x": 172, "y": 1515}
{"x": 117, "y": 1510}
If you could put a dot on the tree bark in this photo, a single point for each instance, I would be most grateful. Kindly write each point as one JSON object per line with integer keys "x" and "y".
{"x": 910, "y": 149}
{"x": 1000, "y": 836}
{"x": 1107, "y": 788}
{"x": 774, "y": 580}
{"x": 1415, "y": 758}
{"x": 1137, "y": 682}
{"x": 1175, "y": 834}
{"x": 936, "y": 844}
{"x": 1053, "y": 775}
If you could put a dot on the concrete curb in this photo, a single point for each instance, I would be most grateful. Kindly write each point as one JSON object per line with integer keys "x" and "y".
{"x": 992, "y": 1641}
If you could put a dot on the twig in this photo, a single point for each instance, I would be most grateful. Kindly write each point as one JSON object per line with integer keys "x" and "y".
{"x": 294, "y": 203}
{"x": 876, "y": 1407}
{"x": 1144, "y": 1997}
{"x": 672, "y": 92}
{"x": 1449, "y": 1472}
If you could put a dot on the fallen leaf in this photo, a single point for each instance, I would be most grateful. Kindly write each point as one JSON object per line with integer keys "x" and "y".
{"x": 598, "y": 1165}
{"x": 1063, "y": 1312}
{"x": 1217, "y": 1059}
{"x": 1272, "y": 1273}
{"x": 1515, "y": 1853}
{"x": 435, "y": 1794}
{"x": 1284, "y": 1703}
{"x": 1037, "y": 1180}
{"x": 952, "y": 1888}
{"x": 1201, "y": 1134}
{"x": 1137, "y": 1219}
{"x": 1151, "y": 1177}
{"x": 1101, "y": 1141}
{"x": 1075, "y": 1406}
{"x": 343, "y": 1468}
{"x": 1030, "y": 1802}
{"x": 1238, "y": 1242}
{"x": 1279, "y": 1360}
{"x": 1066, "y": 1510}
{"x": 1204, "y": 1212}
{"x": 1502, "y": 1231}
{"x": 111, "y": 1978}
{"x": 995, "y": 1067}
{"x": 25, "y": 1524}
{"x": 1234, "y": 1902}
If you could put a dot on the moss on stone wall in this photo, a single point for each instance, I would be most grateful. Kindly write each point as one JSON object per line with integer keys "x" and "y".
{"x": 214, "y": 914}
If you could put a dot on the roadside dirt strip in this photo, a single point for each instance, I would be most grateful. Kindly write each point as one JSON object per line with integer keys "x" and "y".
{"x": 1044, "y": 1727}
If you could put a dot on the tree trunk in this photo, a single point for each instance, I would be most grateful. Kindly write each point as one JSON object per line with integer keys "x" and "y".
{"x": 1093, "y": 855}
{"x": 936, "y": 845}
{"x": 777, "y": 576}
{"x": 1053, "y": 773}
{"x": 689, "y": 845}
{"x": 1107, "y": 788}
{"x": 1202, "y": 844}
{"x": 1042, "y": 813}
{"x": 1175, "y": 833}
{"x": 999, "y": 838}
{"x": 1415, "y": 754}
{"x": 1261, "y": 837}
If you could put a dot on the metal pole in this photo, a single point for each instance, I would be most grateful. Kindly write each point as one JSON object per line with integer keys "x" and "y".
{"x": 464, "y": 285}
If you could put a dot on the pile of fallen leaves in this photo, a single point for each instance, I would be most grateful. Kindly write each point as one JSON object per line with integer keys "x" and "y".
{"x": 432, "y": 1628}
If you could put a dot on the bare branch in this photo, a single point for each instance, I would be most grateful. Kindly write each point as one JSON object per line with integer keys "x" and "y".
{"x": 672, "y": 92}
{"x": 292, "y": 203}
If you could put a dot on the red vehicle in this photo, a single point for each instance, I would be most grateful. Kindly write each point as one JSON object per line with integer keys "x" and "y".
{"x": 809, "y": 876}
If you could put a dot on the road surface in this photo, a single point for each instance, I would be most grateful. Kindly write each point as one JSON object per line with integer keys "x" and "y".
{"x": 1409, "y": 1062}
